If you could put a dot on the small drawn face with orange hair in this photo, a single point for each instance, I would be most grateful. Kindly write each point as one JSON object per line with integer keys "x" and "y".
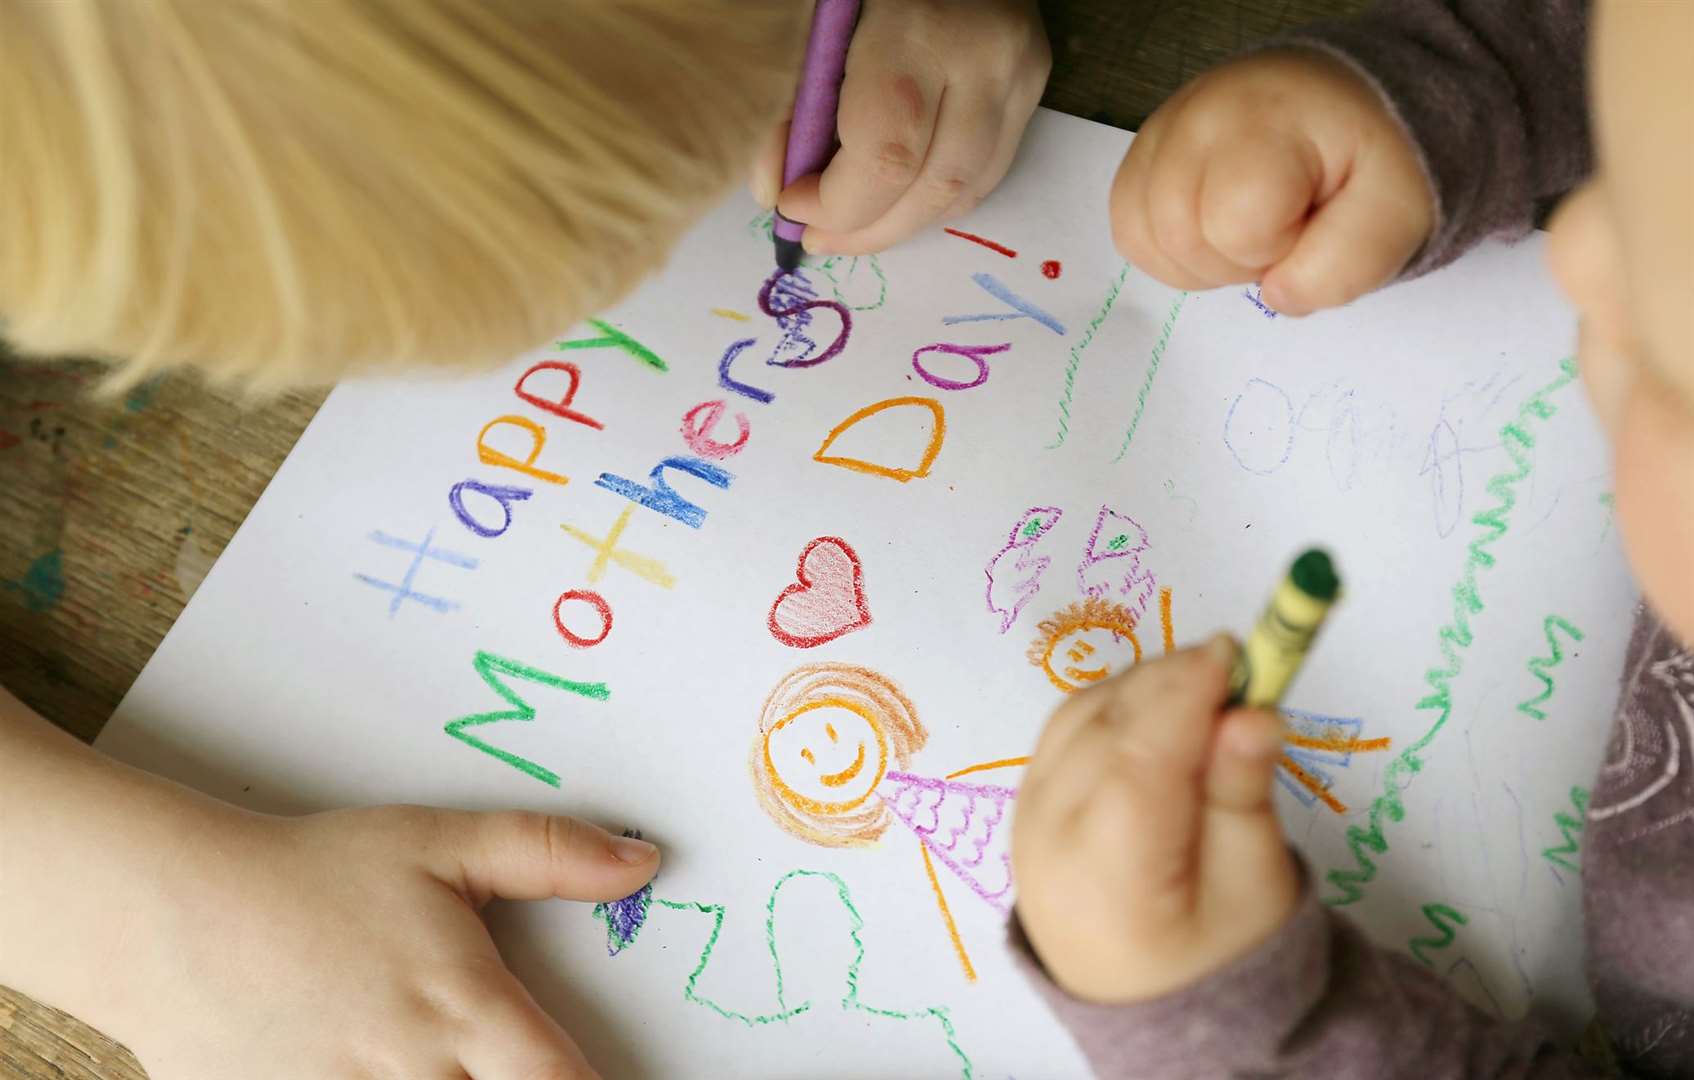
{"x": 1084, "y": 643}
{"x": 828, "y": 734}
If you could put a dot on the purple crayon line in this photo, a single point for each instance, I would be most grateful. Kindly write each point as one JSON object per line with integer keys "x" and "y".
{"x": 811, "y": 134}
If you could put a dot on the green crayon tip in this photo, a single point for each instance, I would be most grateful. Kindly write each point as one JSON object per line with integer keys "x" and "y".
{"x": 1314, "y": 575}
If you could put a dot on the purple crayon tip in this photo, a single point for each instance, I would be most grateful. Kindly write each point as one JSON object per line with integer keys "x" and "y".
{"x": 811, "y": 134}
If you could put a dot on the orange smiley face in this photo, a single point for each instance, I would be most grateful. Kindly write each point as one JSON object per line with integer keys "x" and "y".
{"x": 826, "y": 756}
{"x": 1085, "y": 643}
{"x": 828, "y": 736}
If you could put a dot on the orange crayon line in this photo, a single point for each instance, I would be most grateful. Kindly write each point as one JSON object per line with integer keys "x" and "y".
{"x": 1310, "y": 783}
{"x": 947, "y": 916}
{"x": 938, "y": 434}
{"x": 985, "y": 766}
{"x": 1339, "y": 746}
{"x": 1165, "y": 620}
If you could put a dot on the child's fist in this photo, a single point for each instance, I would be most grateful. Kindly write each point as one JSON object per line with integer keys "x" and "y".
{"x": 1146, "y": 849}
{"x": 935, "y": 100}
{"x": 1284, "y": 168}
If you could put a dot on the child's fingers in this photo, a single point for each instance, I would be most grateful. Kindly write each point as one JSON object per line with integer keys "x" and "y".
{"x": 511, "y": 1038}
{"x": 1132, "y": 231}
{"x": 886, "y": 120}
{"x": 526, "y": 856}
{"x": 967, "y": 129}
{"x": 1173, "y": 208}
{"x": 1255, "y": 196}
{"x": 766, "y": 178}
{"x": 1168, "y": 708}
{"x": 1243, "y": 765}
{"x": 1018, "y": 109}
{"x": 1357, "y": 241}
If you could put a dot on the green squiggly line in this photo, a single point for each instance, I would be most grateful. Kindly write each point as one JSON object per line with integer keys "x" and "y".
{"x": 1568, "y": 827}
{"x": 1438, "y": 916}
{"x": 827, "y": 268}
{"x": 1152, "y": 370}
{"x": 1453, "y": 640}
{"x": 1076, "y": 357}
{"x": 784, "y": 1012}
{"x": 1540, "y": 666}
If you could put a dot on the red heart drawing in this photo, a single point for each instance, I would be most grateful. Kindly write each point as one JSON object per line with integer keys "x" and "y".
{"x": 827, "y": 601}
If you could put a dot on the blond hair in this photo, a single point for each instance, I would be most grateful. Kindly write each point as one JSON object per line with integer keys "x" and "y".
{"x": 279, "y": 191}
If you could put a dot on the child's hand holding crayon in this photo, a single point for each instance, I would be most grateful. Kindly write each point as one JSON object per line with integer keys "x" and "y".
{"x": 1146, "y": 848}
{"x": 935, "y": 101}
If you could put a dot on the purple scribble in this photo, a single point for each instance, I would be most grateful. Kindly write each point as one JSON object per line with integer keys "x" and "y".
{"x": 1125, "y": 540}
{"x": 1022, "y": 577}
{"x": 788, "y": 298}
{"x": 959, "y": 823}
{"x": 1256, "y": 297}
{"x": 625, "y": 918}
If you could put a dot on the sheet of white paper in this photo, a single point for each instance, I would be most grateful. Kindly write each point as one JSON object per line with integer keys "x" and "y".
{"x": 1103, "y": 436}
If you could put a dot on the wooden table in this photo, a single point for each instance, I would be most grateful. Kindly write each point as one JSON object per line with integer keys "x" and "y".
{"x": 111, "y": 511}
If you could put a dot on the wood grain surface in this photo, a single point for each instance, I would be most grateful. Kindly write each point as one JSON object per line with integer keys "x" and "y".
{"x": 112, "y": 510}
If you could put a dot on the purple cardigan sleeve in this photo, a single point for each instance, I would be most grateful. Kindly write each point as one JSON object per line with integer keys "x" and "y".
{"x": 1492, "y": 93}
{"x": 1316, "y": 1001}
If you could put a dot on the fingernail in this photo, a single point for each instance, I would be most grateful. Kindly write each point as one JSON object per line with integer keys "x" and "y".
{"x": 630, "y": 850}
{"x": 764, "y": 192}
{"x": 1222, "y": 648}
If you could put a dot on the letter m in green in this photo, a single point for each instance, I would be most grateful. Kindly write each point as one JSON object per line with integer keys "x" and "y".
{"x": 491, "y": 668}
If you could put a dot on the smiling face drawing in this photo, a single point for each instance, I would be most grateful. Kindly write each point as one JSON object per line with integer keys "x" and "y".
{"x": 828, "y": 734}
{"x": 1084, "y": 643}
{"x": 827, "y": 755}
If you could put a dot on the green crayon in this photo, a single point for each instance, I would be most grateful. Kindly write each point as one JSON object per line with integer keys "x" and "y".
{"x": 1274, "y": 651}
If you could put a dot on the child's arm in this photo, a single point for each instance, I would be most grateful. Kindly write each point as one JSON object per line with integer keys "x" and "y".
{"x": 1157, "y": 891}
{"x": 216, "y": 942}
{"x": 1355, "y": 153}
{"x": 936, "y": 98}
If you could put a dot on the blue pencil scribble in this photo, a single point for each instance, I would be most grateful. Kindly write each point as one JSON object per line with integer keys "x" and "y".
{"x": 422, "y": 550}
{"x": 1250, "y": 433}
{"x": 1021, "y": 308}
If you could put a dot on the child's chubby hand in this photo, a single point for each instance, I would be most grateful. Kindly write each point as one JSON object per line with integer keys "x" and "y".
{"x": 347, "y": 945}
{"x": 1285, "y": 168}
{"x": 1146, "y": 849}
{"x": 935, "y": 100}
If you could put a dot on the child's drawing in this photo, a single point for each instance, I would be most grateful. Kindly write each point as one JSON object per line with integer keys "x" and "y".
{"x": 1014, "y": 574}
{"x": 831, "y": 766}
{"x": 828, "y": 734}
{"x": 1112, "y": 562}
{"x": 932, "y": 1023}
{"x": 826, "y": 601}
{"x": 927, "y": 406}
{"x": 420, "y": 550}
{"x": 1314, "y": 745}
{"x": 1085, "y": 642}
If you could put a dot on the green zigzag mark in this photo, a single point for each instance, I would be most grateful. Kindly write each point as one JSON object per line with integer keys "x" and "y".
{"x": 1076, "y": 357}
{"x": 1443, "y": 918}
{"x": 1518, "y": 439}
{"x": 1152, "y": 370}
{"x": 786, "y": 1012}
{"x": 1540, "y": 666}
{"x": 1568, "y": 827}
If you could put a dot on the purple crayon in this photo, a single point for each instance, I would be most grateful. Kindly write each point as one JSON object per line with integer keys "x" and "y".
{"x": 811, "y": 135}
